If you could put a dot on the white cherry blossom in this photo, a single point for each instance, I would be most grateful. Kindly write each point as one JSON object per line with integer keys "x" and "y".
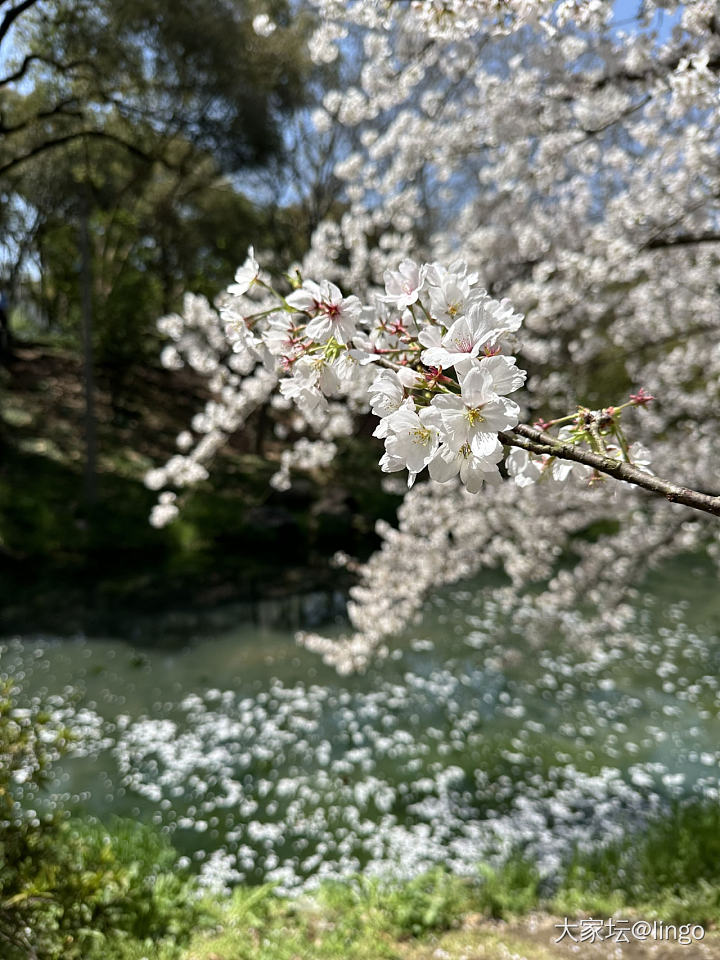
{"x": 473, "y": 470}
{"x": 386, "y": 394}
{"x": 245, "y": 275}
{"x": 484, "y": 324}
{"x": 333, "y": 315}
{"x": 403, "y": 286}
{"x": 411, "y": 439}
{"x": 476, "y": 416}
{"x": 524, "y": 469}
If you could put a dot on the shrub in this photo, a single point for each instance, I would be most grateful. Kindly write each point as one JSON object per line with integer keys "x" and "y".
{"x": 71, "y": 890}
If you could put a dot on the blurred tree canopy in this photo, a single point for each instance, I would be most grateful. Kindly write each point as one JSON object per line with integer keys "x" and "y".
{"x": 144, "y": 117}
{"x": 147, "y": 74}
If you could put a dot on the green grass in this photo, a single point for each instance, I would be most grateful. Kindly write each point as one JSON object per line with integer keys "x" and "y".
{"x": 360, "y": 919}
{"x": 433, "y": 916}
{"x": 113, "y": 893}
{"x": 672, "y": 873}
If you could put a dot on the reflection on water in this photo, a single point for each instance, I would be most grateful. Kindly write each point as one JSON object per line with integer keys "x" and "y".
{"x": 465, "y": 744}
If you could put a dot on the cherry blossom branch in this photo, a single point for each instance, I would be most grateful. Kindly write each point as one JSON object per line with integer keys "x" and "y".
{"x": 682, "y": 240}
{"x": 450, "y": 425}
{"x": 542, "y": 444}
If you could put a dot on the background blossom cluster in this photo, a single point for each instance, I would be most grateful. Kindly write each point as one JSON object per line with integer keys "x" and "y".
{"x": 571, "y": 158}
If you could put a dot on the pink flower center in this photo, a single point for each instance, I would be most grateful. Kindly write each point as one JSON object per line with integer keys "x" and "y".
{"x": 463, "y": 344}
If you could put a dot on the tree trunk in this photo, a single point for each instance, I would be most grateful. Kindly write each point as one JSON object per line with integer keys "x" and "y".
{"x": 88, "y": 363}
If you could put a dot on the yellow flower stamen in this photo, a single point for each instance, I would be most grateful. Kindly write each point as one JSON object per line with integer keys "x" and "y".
{"x": 420, "y": 435}
{"x": 474, "y": 416}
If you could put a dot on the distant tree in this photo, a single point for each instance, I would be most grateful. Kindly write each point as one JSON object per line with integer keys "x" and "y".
{"x": 150, "y": 111}
{"x": 141, "y": 74}
{"x": 127, "y": 129}
{"x": 145, "y": 111}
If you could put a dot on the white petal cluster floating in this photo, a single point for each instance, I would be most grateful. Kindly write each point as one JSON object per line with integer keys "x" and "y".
{"x": 476, "y": 740}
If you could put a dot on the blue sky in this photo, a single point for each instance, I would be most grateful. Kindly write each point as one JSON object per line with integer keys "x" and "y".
{"x": 626, "y": 10}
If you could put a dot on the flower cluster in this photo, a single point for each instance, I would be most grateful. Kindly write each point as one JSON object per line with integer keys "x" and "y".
{"x": 442, "y": 344}
{"x": 445, "y": 412}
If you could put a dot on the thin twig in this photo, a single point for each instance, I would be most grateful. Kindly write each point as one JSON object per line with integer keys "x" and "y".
{"x": 542, "y": 444}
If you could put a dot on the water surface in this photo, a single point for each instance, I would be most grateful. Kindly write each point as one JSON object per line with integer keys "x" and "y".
{"x": 468, "y": 742}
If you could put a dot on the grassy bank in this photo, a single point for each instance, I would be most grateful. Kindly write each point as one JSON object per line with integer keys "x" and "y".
{"x": 495, "y": 916}
{"x": 115, "y": 893}
{"x": 475, "y": 939}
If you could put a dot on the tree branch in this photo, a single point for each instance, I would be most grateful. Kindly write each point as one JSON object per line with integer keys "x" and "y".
{"x": 657, "y": 71}
{"x": 60, "y": 108}
{"x": 70, "y": 137}
{"x": 31, "y": 58}
{"x": 540, "y": 443}
{"x": 681, "y": 240}
{"x": 11, "y": 16}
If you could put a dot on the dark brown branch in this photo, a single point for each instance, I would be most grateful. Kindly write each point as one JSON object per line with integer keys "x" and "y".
{"x": 656, "y": 72}
{"x": 540, "y": 443}
{"x": 41, "y": 58}
{"x": 681, "y": 240}
{"x": 59, "y": 109}
{"x": 69, "y": 138}
{"x": 11, "y": 16}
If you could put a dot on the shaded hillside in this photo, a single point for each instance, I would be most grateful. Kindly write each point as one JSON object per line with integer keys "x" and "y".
{"x": 67, "y": 565}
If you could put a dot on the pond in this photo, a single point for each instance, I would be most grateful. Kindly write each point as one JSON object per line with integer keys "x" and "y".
{"x": 468, "y": 742}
